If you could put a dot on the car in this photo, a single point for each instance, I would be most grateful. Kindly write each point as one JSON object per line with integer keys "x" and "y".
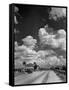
{"x": 29, "y": 68}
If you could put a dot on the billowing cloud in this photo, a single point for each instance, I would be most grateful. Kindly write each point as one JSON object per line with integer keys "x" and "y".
{"x": 62, "y": 60}
{"x": 61, "y": 33}
{"x": 56, "y": 13}
{"x": 24, "y": 50}
{"x": 45, "y": 53}
{"x": 52, "y": 60}
{"x": 16, "y": 44}
{"x": 23, "y": 53}
{"x": 44, "y": 58}
{"x": 15, "y": 20}
{"x": 30, "y": 42}
{"x": 57, "y": 40}
{"x": 16, "y": 9}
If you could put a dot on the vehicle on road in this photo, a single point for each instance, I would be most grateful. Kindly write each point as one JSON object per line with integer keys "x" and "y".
{"x": 28, "y": 68}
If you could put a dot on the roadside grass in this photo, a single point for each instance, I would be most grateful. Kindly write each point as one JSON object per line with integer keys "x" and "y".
{"x": 61, "y": 74}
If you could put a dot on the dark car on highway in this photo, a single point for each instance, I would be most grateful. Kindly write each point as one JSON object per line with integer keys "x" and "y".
{"x": 28, "y": 68}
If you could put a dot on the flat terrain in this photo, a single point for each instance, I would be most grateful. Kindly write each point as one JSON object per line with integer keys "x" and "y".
{"x": 37, "y": 77}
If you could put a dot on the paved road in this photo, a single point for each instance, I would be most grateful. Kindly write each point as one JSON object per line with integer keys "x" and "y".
{"x": 37, "y": 77}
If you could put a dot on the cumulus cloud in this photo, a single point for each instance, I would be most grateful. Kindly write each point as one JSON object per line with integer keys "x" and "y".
{"x": 56, "y": 13}
{"x": 45, "y": 53}
{"x": 30, "y": 42}
{"x": 16, "y": 44}
{"x": 45, "y": 57}
{"x": 23, "y": 53}
{"x": 16, "y": 9}
{"x": 24, "y": 50}
{"x": 62, "y": 60}
{"x": 52, "y": 60}
{"x": 15, "y": 20}
{"x": 54, "y": 41}
{"x": 61, "y": 33}
{"x": 57, "y": 40}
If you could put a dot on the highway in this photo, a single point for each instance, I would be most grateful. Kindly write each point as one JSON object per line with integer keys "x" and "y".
{"x": 37, "y": 78}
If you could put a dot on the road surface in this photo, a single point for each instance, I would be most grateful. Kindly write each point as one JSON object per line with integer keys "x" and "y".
{"x": 37, "y": 78}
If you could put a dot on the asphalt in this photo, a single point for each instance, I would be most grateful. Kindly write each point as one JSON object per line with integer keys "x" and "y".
{"x": 37, "y": 77}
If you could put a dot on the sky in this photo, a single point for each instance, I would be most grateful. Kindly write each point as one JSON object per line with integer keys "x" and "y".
{"x": 40, "y": 35}
{"x": 33, "y": 17}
